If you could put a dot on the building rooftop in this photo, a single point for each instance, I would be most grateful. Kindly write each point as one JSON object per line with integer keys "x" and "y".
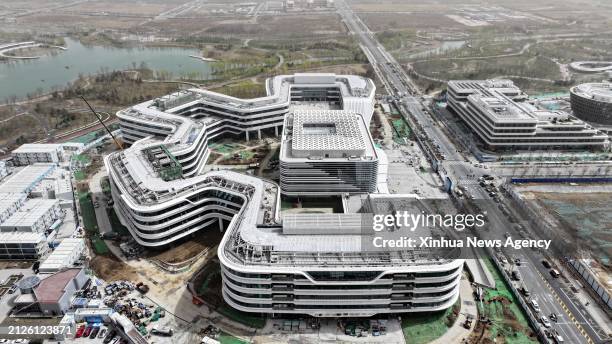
{"x": 63, "y": 253}
{"x": 326, "y": 135}
{"x": 52, "y": 288}
{"x": 30, "y": 212}
{"x": 26, "y": 179}
{"x": 37, "y": 148}
{"x": 597, "y": 91}
{"x": 22, "y": 238}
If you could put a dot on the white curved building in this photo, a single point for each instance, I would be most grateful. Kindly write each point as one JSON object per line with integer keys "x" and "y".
{"x": 592, "y": 102}
{"x": 304, "y": 263}
{"x": 223, "y": 113}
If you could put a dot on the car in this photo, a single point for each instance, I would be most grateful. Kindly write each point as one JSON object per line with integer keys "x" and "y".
{"x": 516, "y": 276}
{"x": 162, "y": 331}
{"x": 544, "y": 320}
{"x": 3, "y": 341}
{"x": 12, "y": 290}
{"x": 79, "y": 331}
{"x": 553, "y": 317}
{"x": 94, "y": 332}
{"x": 102, "y": 333}
{"x": 546, "y": 264}
{"x": 554, "y": 273}
{"x": 517, "y": 261}
{"x": 525, "y": 291}
{"x": 87, "y": 331}
{"x": 109, "y": 337}
{"x": 534, "y": 304}
{"x": 115, "y": 340}
{"x": 557, "y": 338}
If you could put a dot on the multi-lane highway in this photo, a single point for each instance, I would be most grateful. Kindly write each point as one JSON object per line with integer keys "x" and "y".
{"x": 458, "y": 168}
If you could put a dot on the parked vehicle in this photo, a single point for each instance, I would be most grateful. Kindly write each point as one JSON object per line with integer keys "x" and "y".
{"x": 546, "y": 264}
{"x": 555, "y": 273}
{"x": 162, "y": 331}
{"x": 79, "y": 331}
{"x": 534, "y": 304}
{"x": 94, "y": 332}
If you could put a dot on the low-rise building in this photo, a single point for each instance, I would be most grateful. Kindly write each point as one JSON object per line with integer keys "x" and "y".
{"x": 65, "y": 255}
{"x": 22, "y": 246}
{"x": 26, "y": 179}
{"x": 3, "y": 169}
{"x": 54, "y": 292}
{"x": 35, "y": 215}
{"x": 10, "y": 204}
{"x": 31, "y": 153}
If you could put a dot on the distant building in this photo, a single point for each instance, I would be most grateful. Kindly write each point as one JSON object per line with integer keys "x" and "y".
{"x": 327, "y": 152}
{"x": 31, "y": 153}
{"x": 592, "y": 102}
{"x": 503, "y": 117}
{"x": 22, "y": 246}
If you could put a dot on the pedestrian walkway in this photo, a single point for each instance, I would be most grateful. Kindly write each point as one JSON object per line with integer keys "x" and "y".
{"x": 457, "y": 333}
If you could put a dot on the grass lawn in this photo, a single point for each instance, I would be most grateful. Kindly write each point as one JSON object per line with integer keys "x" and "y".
{"x": 90, "y": 223}
{"x": 226, "y": 338}
{"x": 115, "y": 223}
{"x": 506, "y": 317}
{"x": 242, "y": 317}
{"x": 425, "y": 327}
{"x": 79, "y": 175}
{"x": 99, "y": 245}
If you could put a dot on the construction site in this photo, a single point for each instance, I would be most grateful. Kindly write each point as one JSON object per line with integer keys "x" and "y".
{"x": 581, "y": 215}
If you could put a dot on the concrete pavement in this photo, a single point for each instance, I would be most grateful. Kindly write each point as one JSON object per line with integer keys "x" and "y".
{"x": 457, "y": 333}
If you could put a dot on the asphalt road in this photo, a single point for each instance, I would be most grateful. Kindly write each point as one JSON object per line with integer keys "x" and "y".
{"x": 398, "y": 84}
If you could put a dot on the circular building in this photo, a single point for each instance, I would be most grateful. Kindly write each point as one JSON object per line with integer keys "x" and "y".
{"x": 592, "y": 102}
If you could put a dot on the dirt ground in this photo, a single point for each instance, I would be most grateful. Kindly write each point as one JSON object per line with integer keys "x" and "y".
{"x": 204, "y": 239}
{"x": 110, "y": 268}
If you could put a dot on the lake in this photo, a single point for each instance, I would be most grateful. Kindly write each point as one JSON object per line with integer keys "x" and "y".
{"x": 19, "y": 78}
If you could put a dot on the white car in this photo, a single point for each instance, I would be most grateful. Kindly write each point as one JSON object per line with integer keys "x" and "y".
{"x": 545, "y": 321}
{"x": 535, "y": 305}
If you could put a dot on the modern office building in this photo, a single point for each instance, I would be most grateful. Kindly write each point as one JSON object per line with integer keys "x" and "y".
{"x": 225, "y": 114}
{"x": 327, "y": 152}
{"x": 303, "y": 264}
{"x": 592, "y": 102}
{"x": 504, "y": 118}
